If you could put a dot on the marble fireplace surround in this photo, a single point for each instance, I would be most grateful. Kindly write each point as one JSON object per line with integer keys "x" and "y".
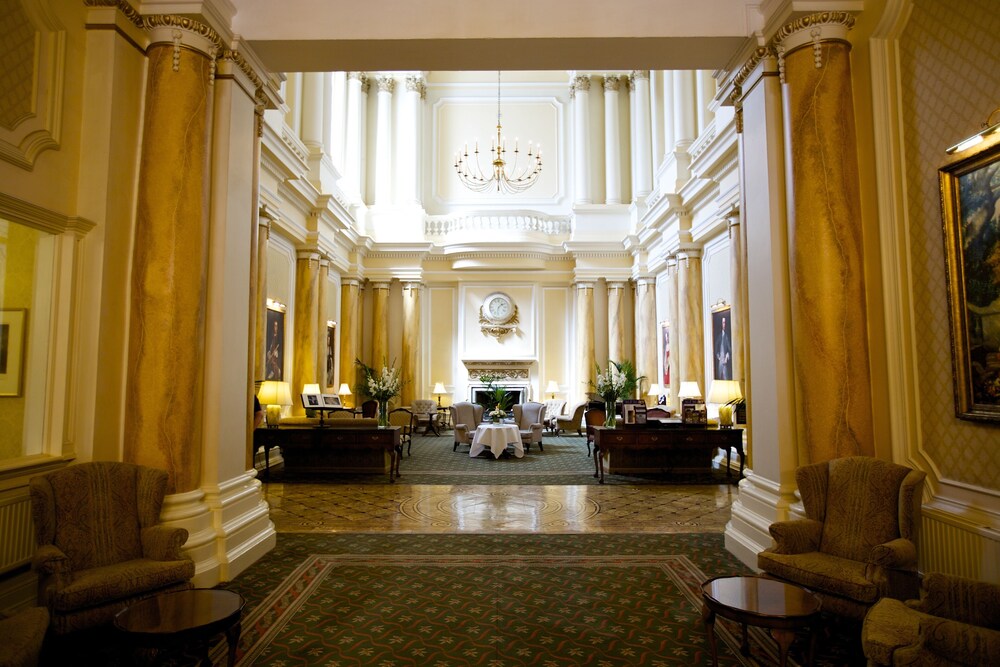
{"x": 513, "y": 374}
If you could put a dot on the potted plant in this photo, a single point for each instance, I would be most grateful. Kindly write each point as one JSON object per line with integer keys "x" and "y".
{"x": 497, "y": 401}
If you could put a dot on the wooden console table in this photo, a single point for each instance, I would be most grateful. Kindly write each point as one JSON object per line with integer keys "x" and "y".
{"x": 669, "y": 440}
{"x": 328, "y": 450}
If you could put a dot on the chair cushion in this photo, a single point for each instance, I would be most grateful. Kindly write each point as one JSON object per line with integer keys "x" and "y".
{"x": 889, "y": 625}
{"x": 822, "y": 573}
{"x": 21, "y": 637}
{"x": 121, "y": 580}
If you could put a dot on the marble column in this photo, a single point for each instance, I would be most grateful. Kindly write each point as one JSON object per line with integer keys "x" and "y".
{"x": 338, "y": 120}
{"x": 673, "y": 327}
{"x": 408, "y": 152}
{"x": 656, "y": 118}
{"x": 350, "y": 322}
{"x": 411, "y": 344}
{"x": 322, "y": 284}
{"x": 685, "y": 116}
{"x": 704, "y": 93}
{"x": 616, "y": 320}
{"x": 313, "y": 110}
{"x": 642, "y": 148}
{"x": 612, "y": 141}
{"x": 293, "y": 98}
{"x": 585, "y": 370}
{"x": 826, "y": 253}
{"x": 304, "y": 333}
{"x": 260, "y": 307}
{"x": 737, "y": 281}
{"x": 690, "y": 313}
{"x": 166, "y": 346}
{"x": 645, "y": 332}
{"x": 580, "y": 93}
{"x": 383, "y": 140}
{"x": 668, "y": 113}
{"x": 380, "y": 325}
{"x": 354, "y": 141}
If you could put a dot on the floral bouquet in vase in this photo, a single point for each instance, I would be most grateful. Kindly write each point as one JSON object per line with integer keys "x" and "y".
{"x": 497, "y": 401}
{"x": 382, "y": 386}
{"x": 615, "y": 382}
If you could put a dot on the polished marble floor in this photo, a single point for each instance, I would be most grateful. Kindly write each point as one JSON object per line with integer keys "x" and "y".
{"x": 317, "y": 507}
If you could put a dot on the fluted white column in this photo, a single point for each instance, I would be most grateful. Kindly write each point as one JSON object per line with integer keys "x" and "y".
{"x": 293, "y": 98}
{"x": 685, "y": 116}
{"x": 616, "y": 320}
{"x": 642, "y": 177}
{"x": 383, "y": 140}
{"x": 313, "y": 110}
{"x": 656, "y": 118}
{"x": 704, "y": 91}
{"x": 338, "y": 120}
{"x": 408, "y": 151}
{"x": 580, "y": 93}
{"x": 612, "y": 143}
{"x": 356, "y": 124}
{"x": 668, "y": 113}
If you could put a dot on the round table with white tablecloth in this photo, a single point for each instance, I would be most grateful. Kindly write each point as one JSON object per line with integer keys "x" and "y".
{"x": 496, "y": 437}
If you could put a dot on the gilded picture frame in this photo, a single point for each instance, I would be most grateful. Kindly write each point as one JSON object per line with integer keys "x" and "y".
{"x": 970, "y": 196}
{"x": 13, "y": 322}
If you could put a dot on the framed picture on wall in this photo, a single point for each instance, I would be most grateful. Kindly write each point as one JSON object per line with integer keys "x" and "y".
{"x": 331, "y": 337}
{"x": 722, "y": 344}
{"x": 970, "y": 192}
{"x": 12, "y": 325}
{"x": 274, "y": 345}
{"x": 665, "y": 344}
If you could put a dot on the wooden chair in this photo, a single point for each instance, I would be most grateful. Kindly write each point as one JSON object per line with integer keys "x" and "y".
{"x": 369, "y": 409}
{"x": 593, "y": 417}
{"x": 404, "y": 419}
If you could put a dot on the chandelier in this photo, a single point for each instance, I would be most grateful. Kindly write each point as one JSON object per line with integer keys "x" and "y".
{"x": 517, "y": 179}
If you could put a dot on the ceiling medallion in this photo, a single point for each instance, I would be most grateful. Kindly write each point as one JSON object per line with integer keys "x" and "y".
{"x": 498, "y": 315}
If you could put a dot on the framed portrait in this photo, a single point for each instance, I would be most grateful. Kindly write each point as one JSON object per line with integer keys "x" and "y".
{"x": 722, "y": 344}
{"x": 311, "y": 401}
{"x": 274, "y": 345}
{"x": 665, "y": 345}
{"x": 331, "y": 338}
{"x": 970, "y": 193}
{"x": 12, "y": 330}
{"x": 331, "y": 401}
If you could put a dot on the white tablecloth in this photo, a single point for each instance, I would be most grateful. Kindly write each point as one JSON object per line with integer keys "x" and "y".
{"x": 496, "y": 437}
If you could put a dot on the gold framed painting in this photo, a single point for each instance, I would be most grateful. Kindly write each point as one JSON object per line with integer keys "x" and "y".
{"x": 970, "y": 196}
{"x": 12, "y": 325}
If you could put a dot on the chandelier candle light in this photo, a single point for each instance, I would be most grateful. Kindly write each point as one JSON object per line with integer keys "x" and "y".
{"x": 472, "y": 176}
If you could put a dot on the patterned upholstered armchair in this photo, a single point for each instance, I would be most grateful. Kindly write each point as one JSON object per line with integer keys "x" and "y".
{"x": 99, "y": 545}
{"x": 859, "y": 541}
{"x": 425, "y": 412}
{"x": 529, "y": 418}
{"x": 465, "y": 418}
{"x": 553, "y": 408}
{"x": 955, "y": 622}
{"x": 571, "y": 421}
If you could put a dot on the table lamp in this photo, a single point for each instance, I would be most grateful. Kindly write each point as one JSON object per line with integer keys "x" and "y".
{"x": 689, "y": 390}
{"x": 655, "y": 391}
{"x": 311, "y": 388}
{"x": 342, "y": 392}
{"x": 274, "y": 395}
{"x": 724, "y": 392}
{"x": 552, "y": 388}
{"x": 438, "y": 390}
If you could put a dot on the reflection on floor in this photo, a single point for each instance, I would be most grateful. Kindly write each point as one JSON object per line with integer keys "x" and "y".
{"x": 318, "y": 507}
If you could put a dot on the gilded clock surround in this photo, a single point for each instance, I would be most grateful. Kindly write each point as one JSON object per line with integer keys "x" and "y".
{"x": 498, "y": 315}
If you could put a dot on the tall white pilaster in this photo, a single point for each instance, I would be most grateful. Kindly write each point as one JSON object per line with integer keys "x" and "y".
{"x": 338, "y": 120}
{"x": 355, "y": 130}
{"x": 668, "y": 112}
{"x": 293, "y": 98}
{"x": 685, "y": 116}
{"x": 612, "y": 143}
{"x": 642, "y": 175}
{"x": 408, "y": 151}
{"x": 656, "y": 118}
{"x": 383, "y": 140}
{"x": 313, "y": 110}
{"x": 580, "y": 92}
{"x": 704, "y": 91}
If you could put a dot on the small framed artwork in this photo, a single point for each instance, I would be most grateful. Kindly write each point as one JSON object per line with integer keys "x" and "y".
{"x": 331, "y": 401}
{"x": 331, "y": 340}
{"x": 311, "y": 401}
{"x": 628, "y": 413}
{"x": 665, "y": 344}
{"x": 274, "y": 345}
{"x": 722, "y": 343}
{"x": 12, "y": 330}
{"x": 969, "y": 186}
{"x": 640, "y": 413}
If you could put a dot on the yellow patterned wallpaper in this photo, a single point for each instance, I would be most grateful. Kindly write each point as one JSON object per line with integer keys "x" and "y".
{"x": 950, "y": 67}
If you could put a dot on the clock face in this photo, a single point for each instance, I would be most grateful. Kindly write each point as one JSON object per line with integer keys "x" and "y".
{"x": 498, "y": 308}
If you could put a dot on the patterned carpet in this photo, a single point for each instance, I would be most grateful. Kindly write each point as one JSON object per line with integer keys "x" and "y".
{"x": 497, "y": 601}
{"x": 563, "y": 461}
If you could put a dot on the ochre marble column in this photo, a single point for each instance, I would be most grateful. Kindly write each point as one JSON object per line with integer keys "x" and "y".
{"x": 350, "y": 321}
{"x": 826, "y": 256}
{"x": 585, "y": 370}
{"x": 322, "y": 284}
{"x": 260, "y": 307}
{"x": 671, "y": 348}
{"x": 304, "y": 333}
{"x": 737, "y": 279}
{"x": 645, "y": 332}
{"x": 690, "y": 334}
{"x": 616, "y": 321}
{"x": 167, "y": 312}
{"x": 380, "y": 325}
{"x": 411, "y": 343}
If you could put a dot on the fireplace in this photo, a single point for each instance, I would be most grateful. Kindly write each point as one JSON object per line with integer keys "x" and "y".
{"x": 477, "y": 394}
{"x": 512, "y": 375}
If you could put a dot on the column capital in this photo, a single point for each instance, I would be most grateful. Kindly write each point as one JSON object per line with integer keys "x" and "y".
{"x": 639, "y": 74}
{"x": 732, "y": 216}
{"x": 612, "y": 83}
{"x": 307, "y": 254}
{"x": 616, "y": 285}
{"x": 350, "y": 282}
{"x": 579, "y": 82}
{"x": 416, "y": 84}
{"x": 413, "y": 285}
{"x": 386, "y": 84}
{"x": 380, "y": 285}
{"x": 686, "y": 254}
{"x": 182, "y": 31}
{"x": 583, "y": 284}
{"x": 360, "y": 76}
{"x": 813, "y": 30}
{"x": 646, "y": 281}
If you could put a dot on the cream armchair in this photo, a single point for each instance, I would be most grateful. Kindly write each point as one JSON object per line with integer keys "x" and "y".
{"x": 425, "y": 412}
{"x": 572, "y": 420}
{"x": 99, "y": 545}
{"x": 530, "y": 419}
{"x": 553, "y": 408}
{"x": 859, "y": 541}
{"x": 465, "y": 418}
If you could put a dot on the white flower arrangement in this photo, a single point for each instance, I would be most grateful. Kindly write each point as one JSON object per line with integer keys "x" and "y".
{"x": 611, "y": 383}
{"x": 496, "y": 413}
{"x": 384, "y": 385}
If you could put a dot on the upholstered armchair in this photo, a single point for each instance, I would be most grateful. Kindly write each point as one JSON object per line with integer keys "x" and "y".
{"x": 572, "y": 420}
{"x": 553, "y": 408}
{"x": 529, "y": 418}
{"x": 425, "y": 411}
{"x": 22, "y": 636}
{"x": 99, "y": 545}
{"x": 465, "y": 418}
{"x": 859, "y": 541}
{"x": 956, "y": 621}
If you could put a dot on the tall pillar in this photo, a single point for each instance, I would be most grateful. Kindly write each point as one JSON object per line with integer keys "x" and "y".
{"x": 616, "y": 320}
{"x": 690, "y": 313}
{"x": 579, "y": 92}
{"x": 673, "y": 324}
{"x": 383, "y": 140}
{"x": 685, "y": 115}
{"x": 293, "y": 98}
{"x": 380, "y": 325}
{"x": 322, "y": 283}
{"x": 642, "y": 148}
{"x": 408, "y": 152}
{"x": 612, "y": 141}
{"x": 350, "y": 320}
{"x": 304, "y": 333}
{"x": 737, "y": 280}
{"x": 411, "y": 344}
{"x": 170, "y": 259}
{"x": 656, "y": 118}
{"x": 354, "y": 140}
{"x": 313, "y": 110}
{"x": 704, "y": 93}
{"x": 338, "y": 120}
{"x": 585, "y": 355}
{"x": 645, "y": 332}
{"x": 668, "y": 112}
{"x": 826, "y": 254}
{"x": 260, "y": 307}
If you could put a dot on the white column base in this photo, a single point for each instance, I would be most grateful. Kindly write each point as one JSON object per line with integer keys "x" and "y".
{"x": 759, "y": 503}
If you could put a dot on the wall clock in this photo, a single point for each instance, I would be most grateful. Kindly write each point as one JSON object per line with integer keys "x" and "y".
{"x": 498, "y": 315}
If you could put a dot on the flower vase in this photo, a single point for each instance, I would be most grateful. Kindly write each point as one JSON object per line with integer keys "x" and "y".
{"x": 610, "y": 418}
{"x": 494, "y": 420}
{"x": 383, "y": 413}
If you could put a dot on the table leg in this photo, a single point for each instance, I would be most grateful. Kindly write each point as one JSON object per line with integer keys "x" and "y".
{"x": 784, "y": 639}
{"x": 729, "y": 460}
{"x": 597, "y": 468}
{"x": 745, "y": 642}
{"x": 233, "y": 640}
{"x": 392, "y": 464}
{"x": 267, "y": 461}
{"x": 708, "y": 617}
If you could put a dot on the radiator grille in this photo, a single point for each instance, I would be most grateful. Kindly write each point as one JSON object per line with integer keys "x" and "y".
{"x": 945, "y": 547}
{"x": 18, "y": 543}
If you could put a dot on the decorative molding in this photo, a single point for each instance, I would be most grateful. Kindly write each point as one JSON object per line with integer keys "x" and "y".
{"x": 126, "y": 9}
{"x": 499, "y": 368}
{"x": 813, "y": 20}
{"x": 445, "y": 225}
{"x": 612, "y": 83}
{"x": 386, "y": 84}
{"x": 741, "y": 76}
{"x": 42, "y": 219}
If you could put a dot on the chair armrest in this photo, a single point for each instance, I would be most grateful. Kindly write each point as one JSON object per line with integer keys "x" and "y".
{"x": 796, "y": 537}
{"x": 163, "y": 542}
{"x": 49, "y": 559}
{"x": 960, "y": 642}
{"x": 461, "y": 431}
{"x": 897, "y": 553}
{"x": 959, "y": 599}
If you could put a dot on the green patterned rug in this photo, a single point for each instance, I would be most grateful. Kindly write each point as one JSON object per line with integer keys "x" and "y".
{"x": 497, "y": 601}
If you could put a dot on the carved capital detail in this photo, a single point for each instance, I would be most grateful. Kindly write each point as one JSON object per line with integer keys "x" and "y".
{"x": 415, "y": 84}
{"x": 612, "y": 83}
{"x": 386, "y": 84}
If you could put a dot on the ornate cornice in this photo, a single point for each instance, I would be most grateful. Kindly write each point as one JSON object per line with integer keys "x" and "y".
{"x": 759, "y": 54}
{"x": 813, "y": 20}
{"x": 240, "y": 61}
{"x": 127, "y": 10}
{"x": 183, "y": 23}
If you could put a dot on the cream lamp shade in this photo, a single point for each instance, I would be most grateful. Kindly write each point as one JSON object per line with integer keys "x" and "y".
{"x": 439, "y": 388}
{"x": 654, "y": 390}
{"x": 274, "y": 395}
{"x": 689, "y": 390}
{"x": 552, "y": 388}
{"x": 724, "y": 391}
{"x": 311, "y": 388}
{"x": 344, "y": 390}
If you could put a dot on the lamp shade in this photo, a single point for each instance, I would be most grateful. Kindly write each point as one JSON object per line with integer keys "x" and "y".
{"x": 344, "y": 390}
{"x": 552, "y": 387}
{"x": 689, "y": 390}
{"x": 654, "y": 390}
{"x": 439, "y": 388}
{"x": 273, "y": 392}
{"x": 311, "y": 388}
{"x": 723, "y": 391}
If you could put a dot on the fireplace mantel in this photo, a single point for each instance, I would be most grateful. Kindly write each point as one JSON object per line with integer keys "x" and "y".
{"x": 501, "y": 369}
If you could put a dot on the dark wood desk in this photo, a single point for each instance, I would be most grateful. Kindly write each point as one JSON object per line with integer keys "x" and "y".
{"x": 680, "y": 441}
{"x": 333, "y": 449}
